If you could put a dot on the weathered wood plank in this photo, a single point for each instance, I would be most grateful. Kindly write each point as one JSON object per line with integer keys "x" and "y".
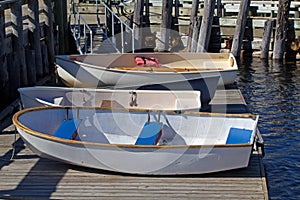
{"x": 17, "y": 41}
{"x": 138, "y": 23}
{"x": 49, "y": 32}
{"x": 30, "y": 62}
{"x": 195, "y": 34}
{"x": 281, "y": 27}
{"x": 265, "y": 45}
{"x": 194, "y": 13}
{"x": 3, "y": 62}
{"x": 206, "y": 25}
{"x": 60, "y": 18}
{"x": 34, "y": 35}
{"x": 240, "y": 28}
{"x": 165, "y": 25}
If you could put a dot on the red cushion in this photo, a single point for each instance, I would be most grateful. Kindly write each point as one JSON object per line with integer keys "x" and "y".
{"x": 139, "y": 61}
{"x": 147, "y": 61}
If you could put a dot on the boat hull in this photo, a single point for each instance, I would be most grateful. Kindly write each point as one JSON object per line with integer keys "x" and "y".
{"x": 190, "y": 143}
{"x": 80, "y": 74}
{"x": 129, "y": 99}
{"x": 105, "y": 69}
{"x": 159, "y": 161}
{"x": 207, "y": 86}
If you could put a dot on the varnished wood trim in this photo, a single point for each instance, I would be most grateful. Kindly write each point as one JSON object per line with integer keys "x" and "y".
{"x": 81, "y": 143}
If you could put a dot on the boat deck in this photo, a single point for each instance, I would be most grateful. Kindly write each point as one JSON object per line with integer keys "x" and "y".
{"x": 25, "y": 175}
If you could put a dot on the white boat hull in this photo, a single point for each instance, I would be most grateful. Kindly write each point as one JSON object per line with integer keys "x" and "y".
{"x": 151, "y": 161}
{"x": 98, "y": 69}
{"x": 111, "y": 70}
{"x": 198, "y": 148}
{"x": 129, "y": 99}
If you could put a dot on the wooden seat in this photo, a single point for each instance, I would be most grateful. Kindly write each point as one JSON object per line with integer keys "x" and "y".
{"x": 67, "y": 129}
{"x": 150, "y": 134}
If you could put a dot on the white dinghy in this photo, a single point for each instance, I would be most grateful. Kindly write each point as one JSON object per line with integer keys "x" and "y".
{"x": 138, "y": 142}
{"x": 109, "y": 69}
{"x": 137, "y": 99}
{"x": 172, "y": 71}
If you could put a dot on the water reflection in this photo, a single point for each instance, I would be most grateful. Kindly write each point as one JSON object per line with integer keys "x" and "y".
{"x": 272, "y": 91}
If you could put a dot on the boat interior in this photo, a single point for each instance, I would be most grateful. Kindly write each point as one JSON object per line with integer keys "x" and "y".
{"x": 179, "y": 62}
{"x": 140, "y": 128}
{"x": 157, "y": 100}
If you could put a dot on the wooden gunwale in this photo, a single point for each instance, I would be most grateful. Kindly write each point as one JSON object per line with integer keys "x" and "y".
{"x": 81, "y": 143}
{"x": 163, "y": 70}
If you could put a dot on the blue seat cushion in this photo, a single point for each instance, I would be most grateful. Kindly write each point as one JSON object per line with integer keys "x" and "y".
{"x": 238, "y": 136}
{"x": 67, "y": 129}
{"x": 150, "y": 134}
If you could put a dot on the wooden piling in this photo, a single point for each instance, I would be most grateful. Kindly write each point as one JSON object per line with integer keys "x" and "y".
{"x": 195, "y": 31}
{"x": 247, "y": 39}
{"x": 219, "y": 8}
{"x": 20, "y": 50}
{"x": 175, "y": 22}
{"x": 138, "y": 23}
{"x": 60, "y": 16}
{"x": 206, "y": 24}
{"x": 281, "y": 27}
{"x": 34, "y": 36}
{"x": 194, "y": 13}
{"x": 49, "y": 32}
{"x": 17, "y": 42}
{"x": 176, "y": 42}
{"x": 147, "y": 13}
{"x": 165, "y": 25}
{"x": 14, "y": 74}
{"x": 240, "y": 27}
{"x": 4, "y": 76}
{"x": 215, "y": 36}
{"x": 3, "y": 64}
{"x": 31, "y": 63}
{"x": 297, "y": 12}
{"x": 265, "y": 45}
{"x": 45, "y": 54}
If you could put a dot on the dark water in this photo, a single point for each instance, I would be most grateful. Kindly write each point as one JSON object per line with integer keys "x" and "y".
{"x": 273, "y": 92}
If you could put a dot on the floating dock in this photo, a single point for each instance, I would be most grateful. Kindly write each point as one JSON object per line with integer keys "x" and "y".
{"x": 24, "y": 175}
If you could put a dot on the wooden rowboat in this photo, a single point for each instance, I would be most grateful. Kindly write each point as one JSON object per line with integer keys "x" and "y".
{"x": 139, "y": 142}
{"x": 137, "y": 99}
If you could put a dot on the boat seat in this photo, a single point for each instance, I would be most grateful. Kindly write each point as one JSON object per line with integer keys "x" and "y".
{"x": 67, "y": 129}
{"x": 108, "y": 104}
{"x": 238, "y": 136}
{"x": 150, "y": 134}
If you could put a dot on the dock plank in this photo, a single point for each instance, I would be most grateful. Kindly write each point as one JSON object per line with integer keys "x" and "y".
{"x": 28, "y": 176}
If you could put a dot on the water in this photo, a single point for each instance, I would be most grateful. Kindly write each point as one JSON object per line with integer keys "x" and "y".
{"x": 273, "y": 92}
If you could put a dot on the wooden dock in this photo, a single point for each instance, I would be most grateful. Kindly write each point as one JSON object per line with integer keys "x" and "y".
{"x": 27, "y": 176}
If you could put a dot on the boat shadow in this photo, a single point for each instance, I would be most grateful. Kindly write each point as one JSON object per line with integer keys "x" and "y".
{"x": 40, "y": 181}
{"x": 9, "y": 156}
{"x": 45, "y": 177}
{"x": 252, "y": 171}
